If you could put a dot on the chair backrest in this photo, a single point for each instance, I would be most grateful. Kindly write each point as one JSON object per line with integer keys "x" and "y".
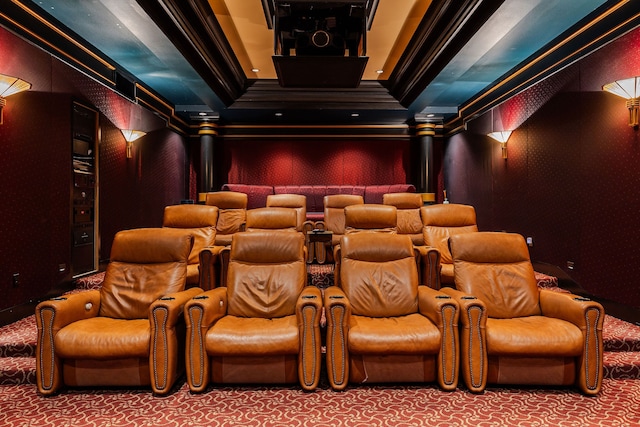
{"x": 334, "y": 205}
{"x": 292, "y": 201}
{"x": 271, "y": 219}
{"x": 146, "y": 263}
{"x": 266, "y": 273}
{"x": 232, "y": 208}
{"x": 379, "y": 274}
{"x": 200, "y": 220}
{"x": 370, "y": 218}
{"x": 409, "y": 220}
{"x": 495, "y": 267}
{"x": 441, "y": 221}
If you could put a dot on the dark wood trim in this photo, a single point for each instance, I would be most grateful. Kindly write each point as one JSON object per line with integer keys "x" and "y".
{"x": 194, "y": 30}
{"x": 445, "y": 29}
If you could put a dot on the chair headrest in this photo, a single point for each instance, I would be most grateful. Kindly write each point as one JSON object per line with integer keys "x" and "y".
{"x": 190, "y": 216}
{"x": 151, "y": 245}
{"x": 227, "y": 199}
{"x": 448, "y": 215}
{"x": 270, "y": 246}
{"x": 370, "y": 216}
{"x": 403, "y": 200}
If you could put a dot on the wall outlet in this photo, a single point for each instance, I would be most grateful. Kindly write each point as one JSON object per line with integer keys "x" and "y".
{"x": 570, "y": 265}
{"x": 16, "y": 279}
{"x": 530, "y": 242}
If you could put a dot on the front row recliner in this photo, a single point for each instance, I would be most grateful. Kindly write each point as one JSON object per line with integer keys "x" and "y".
{"x": 511, "y": 331}
{"x": 131, "y": 331}
{"x": 263, "y": 325}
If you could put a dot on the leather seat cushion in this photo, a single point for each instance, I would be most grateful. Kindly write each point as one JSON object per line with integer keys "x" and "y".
{"x": 411, "y": 334}
{"x": 533, "y": 336}
{"x": 104, "y": 338}
{"x": 246, "y": 336}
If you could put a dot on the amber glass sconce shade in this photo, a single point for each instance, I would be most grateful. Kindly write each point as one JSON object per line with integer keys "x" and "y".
{"x": 10, "y": 86}
{"x": 502, "y": 137}
{"x": 628, "y": 89}
{"x": 131, "y": 135}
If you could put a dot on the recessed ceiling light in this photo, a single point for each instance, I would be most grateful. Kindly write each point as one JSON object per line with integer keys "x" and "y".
{"x": 278, "y": 114}
{"x": 202, "y": 114}
{"x": 355, "y": 114}
{"x": 431, "y": 115}
{"x": 255, "y": 70}
{"x": 379, "y": 71}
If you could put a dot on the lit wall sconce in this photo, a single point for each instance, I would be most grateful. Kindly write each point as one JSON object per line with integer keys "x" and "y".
{"x": 131, "y": 135}
{"x": 502, "y": 137}
{"x": 628, "y": 89}
{"x": 10, "y": 86}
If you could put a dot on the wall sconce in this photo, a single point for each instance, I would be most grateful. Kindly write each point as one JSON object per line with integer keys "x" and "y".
{"x": 10, "y": 86}
{"x": 502, "y": 137}
{"x": 131, "y": 135}
{"x": 628, "y": 89}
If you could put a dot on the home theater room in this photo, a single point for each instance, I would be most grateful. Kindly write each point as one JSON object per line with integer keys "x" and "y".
{"x": 319, "y": 213}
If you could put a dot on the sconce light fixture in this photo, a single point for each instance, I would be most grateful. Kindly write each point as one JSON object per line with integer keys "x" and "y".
{"x": 628, "y": 89}
{"x": 10, "y": 86}
{"x": 502, "y": 137}
{"x": 131, "y": 135}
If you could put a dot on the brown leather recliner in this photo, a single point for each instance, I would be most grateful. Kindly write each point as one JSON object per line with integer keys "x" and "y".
{"x": 128, "y": 333}
{"x": 299, "y": 203}
{"x": 232, "y": 211}
{"x": 365, "y": 218}
{"x": 511, "y": 331}
{"x": 264, "y": 325}
{"x": 200, "y": 221}
{"x": 381, "y": 325}
{"x": 334, "y": 205}
{"x": 408, "y": 214}
{"x": 282, "y": 219}
{"x": 440, "y": 222}
{"x": 410, "y": 223}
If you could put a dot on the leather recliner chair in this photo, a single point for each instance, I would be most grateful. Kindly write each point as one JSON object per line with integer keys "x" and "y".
{"x": 282, "y": 219}
{"x": 129, "y": 332}
{"x": 365, "y": 218}
{"x": 299, "y": 203}
{"x": 441, "y": 221}
{"x": 232, "y": 213}
{"x": 381, "y": 325}
{"x": 333, "y": 221}
{"x": 264, "y": 325}
{"x": 200, "y": 221}
{"x": 511, "y": 331}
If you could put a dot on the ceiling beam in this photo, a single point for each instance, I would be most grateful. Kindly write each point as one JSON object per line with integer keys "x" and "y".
{"x": 193, "y": 28}
{"x": 445, "y": 29}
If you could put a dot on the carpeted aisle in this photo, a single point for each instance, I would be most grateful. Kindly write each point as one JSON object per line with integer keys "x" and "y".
{"x": 618, "y": 405}
{"x": 363, "y": 406}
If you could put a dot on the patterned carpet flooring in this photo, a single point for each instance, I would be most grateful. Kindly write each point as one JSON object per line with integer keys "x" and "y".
{"x": 395, "y": 405}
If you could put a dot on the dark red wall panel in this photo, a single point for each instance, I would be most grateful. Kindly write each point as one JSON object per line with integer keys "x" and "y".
{"x": 572, "y": 177}
{"x": 35, "y": 170}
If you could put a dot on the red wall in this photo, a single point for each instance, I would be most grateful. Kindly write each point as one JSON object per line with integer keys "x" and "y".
{"x": 317, "y": 162}
{"x": 35, "y": 170}
{"x": 572, "y": 177}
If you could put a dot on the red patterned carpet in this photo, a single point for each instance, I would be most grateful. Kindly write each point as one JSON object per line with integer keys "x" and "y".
{"x": 401, "y": 405}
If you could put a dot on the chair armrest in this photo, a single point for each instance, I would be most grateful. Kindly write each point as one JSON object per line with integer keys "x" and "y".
{"x": 51, "y": 316}
{"x": 308, "y": 312}
{"x": 442, "y": 310}
{"x": 589, "y": 317}
{"x": 429, "y": 266}
{"x": 473, "y": 339}
{"x": 172, "y": 305}
{"x": 69, "y": 308}
{"x": 210, "y": 259}
{"x": 337, "y": 258}
{"x": 338, "y": 312}
{"x": 201, "y": 311}
{"x": 572, "y": 308}
{"x": 167, "y": 336}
